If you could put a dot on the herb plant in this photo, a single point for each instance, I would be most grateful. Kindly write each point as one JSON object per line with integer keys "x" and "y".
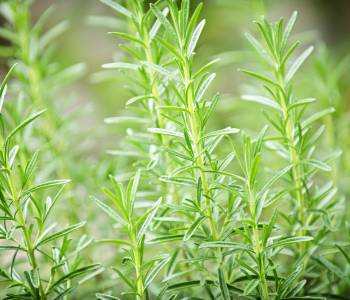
{"x": 38, "y": 79}
{"x": 51, "y": 261}
{"x": 197, "y": 209}
{"x": 314, "y": 206}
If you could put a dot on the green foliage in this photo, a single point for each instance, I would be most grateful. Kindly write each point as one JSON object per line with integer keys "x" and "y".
{"x": 194, "y": 207}
{"x": 52, "y": 262}
{"x": 136, "y": 227}
{"x": 38, "y": 79}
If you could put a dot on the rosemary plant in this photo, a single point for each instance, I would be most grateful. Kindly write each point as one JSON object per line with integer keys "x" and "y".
{"x": 209, "y": 212}
{"x": 42, "y": 263}
{"x": 194, "y": 146}
{"x": 136, "y": 226}
{"x": 197, "y": 211}
{"x": 175, "y": 103}
{"x": 313, "y": 204}
{"x": 38, "y": 80}
{"x": 147, "y": 86}
{"x": 330, "y": 83}
{"x": 260, "y": 244}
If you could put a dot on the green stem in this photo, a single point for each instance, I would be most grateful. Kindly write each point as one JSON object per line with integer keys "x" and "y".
{"x": 259, "y": 251}
{"x": 260, "y": 258}
{"x": 331, "y": 137}
{"x": 26, "y": 236}
{"x": 294, "y": 158}
{"x": 138, "y": 264}
{"x": 36, "y": 95}
{"x": 199, "y": 159}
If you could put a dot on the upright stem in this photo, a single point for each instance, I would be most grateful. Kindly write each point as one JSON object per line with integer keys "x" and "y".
{"x": 331, "y": 140}
{"x": 138, "y": 264}
{"x": 196, "y": 133}
{"x": 294, "y": 158}
{"x": 36, "y": 90}
{"x": 259, "y": 251}
{"x": 23, "y": 225}
{"x": 155, "y": 88}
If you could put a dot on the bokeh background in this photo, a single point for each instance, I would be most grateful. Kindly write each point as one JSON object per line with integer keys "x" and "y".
{"x": 324, "y": 23}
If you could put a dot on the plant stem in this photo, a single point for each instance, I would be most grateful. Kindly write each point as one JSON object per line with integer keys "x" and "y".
{"x": 258, "y": 250}
{"x": 138, "y": 263}
{"x": 37, "y": 94}
{"x": 153, "y": 81}
{"x": 260, "y": 254}
{"x": 294, "y": 157}
{"x": 22, "y": 222}
{"x": 196, "y": 133}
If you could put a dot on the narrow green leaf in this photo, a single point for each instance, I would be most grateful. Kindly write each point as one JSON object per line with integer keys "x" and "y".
{"x": 22, "y": 125}
{"x": 120, "y": 65}
{"x": 173, "y": 108}
{"x": 106, "y": 297}
{"x": 166, "y": 238}
{"x": 178, "y": 180}
{"x": 125, "y": 119}
{"x": 114, "y": 241}
{"x": 12, "y": 155}
{"x": 318, "y": 164}
{"x": 301, "y": 102}
{"x": 124, "y": 277}
{"x": 250, "y": 287}
{"x": 29, "y": 170}
{"x": 226, "y": 131}
{"x": 223, "y": 286}
{"x": 274, "y": 178}
{"x": 3, "y": 86}
{"x": 289, "y": 241}
{"x": 117, "y": 7}
{"x": 165, "y": 132}
{"x": 289, "y": 28}
{"x": 206, "y": 67}
{"x": 260, "y": 77}
{"x": 297, "y": 63}
{"x": 345, "y": 254}
{"x": 159, "y": 69}
{"x": 132, "y": 190}
{"x": 262, "y": 100}
{"x": 139, "y": 98}
{"x": 52, "y": 34}
{"x": 154, "y": 30}
{"x": 316, "y": 116}
{"x": 59, "y": 234}
{"x": 224, "y": 244}
{"x": 192, "y": 23}
{"x": 332, "y": 268}
{"x": 148, "y": 220}
{"x": 184, "y": 285}
{"x": 204, "y": 86}
{"x": 46, "y": 185}
{"x": 162, "y": 19}
{"x": 129, "y": 37}
{"x": 74, "y": 274}
{"x": 193, "y": 228}
{"x": 194, "y": 38}
{"x": 257, "y": 46}
{"x": 108, "y": 210}
{"x": 155, "y": 271}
